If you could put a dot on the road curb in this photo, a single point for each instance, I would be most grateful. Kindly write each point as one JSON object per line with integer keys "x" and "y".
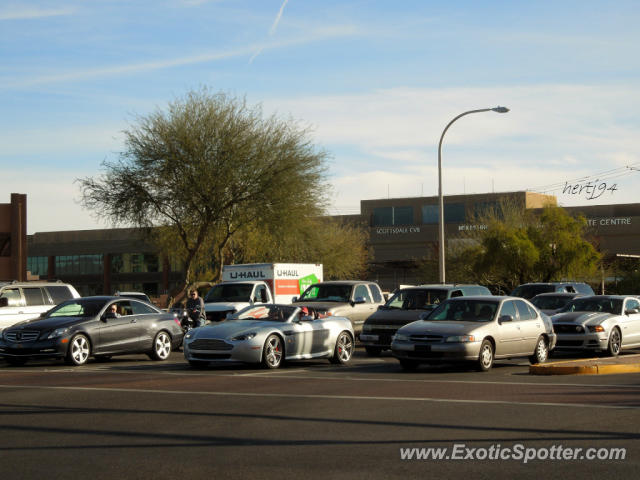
{"x": 565, "y": 368}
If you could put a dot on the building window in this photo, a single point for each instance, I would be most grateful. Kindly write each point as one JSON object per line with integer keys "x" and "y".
{"x": 382, "y": 216}
{"x": 388, "y": 216}
{"x": 38, "y": 266}
{"x": 453, "y": 213}
{"x": 79, "y": 264}
{"x": 134, "y": 263}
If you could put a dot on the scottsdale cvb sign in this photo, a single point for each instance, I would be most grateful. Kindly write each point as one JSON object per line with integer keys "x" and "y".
{"x": 396, "y": 230}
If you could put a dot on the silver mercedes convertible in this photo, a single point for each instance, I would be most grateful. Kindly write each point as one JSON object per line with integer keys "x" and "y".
{"x": 270, "y": 334}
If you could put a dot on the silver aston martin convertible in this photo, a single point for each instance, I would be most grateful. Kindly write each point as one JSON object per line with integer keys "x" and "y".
{"x": 270, "y": 334}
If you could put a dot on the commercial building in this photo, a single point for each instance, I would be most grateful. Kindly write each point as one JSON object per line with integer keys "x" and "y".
{"x": 402, "y": 231}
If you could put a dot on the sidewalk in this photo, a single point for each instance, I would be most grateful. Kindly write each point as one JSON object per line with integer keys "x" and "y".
{"x": 589, "y": 366}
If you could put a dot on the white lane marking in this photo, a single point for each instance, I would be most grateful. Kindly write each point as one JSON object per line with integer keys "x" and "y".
{"x": 323, "y": 397}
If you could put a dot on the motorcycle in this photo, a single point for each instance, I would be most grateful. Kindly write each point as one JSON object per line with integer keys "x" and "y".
{"x": 188, "y": 320}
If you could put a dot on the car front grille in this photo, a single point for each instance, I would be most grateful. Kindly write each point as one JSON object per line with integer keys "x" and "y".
{"x": 426, "y": 338}
{"x": 568, "y": 328}
{"x": 210, "y": 344}
{"x": 19, "y": 336}
{"x": 569, "y": 343}
{"x": 212, "y": 356}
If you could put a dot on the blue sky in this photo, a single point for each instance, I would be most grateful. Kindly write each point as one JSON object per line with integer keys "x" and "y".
{"x": 376, "y": 81}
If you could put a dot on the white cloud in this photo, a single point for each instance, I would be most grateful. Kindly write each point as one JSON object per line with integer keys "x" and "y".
{"x": 19, "y": 12}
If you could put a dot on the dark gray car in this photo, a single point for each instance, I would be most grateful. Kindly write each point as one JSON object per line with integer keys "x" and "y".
{"x": 93, "y": 326}
{"x": 406, "y": 306}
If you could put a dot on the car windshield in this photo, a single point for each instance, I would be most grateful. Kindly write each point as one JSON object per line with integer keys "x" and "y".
{"x": 414, "y": 299}
{"x": 229, "y": 292}
{"x": 590, "y": 304}
{"x": 326, "y": 293}
{"x": 269, "y": 313}
{"x": 80, "y": 307}
{"x": 465, "y": 311}
{"x": 551, "y": 302}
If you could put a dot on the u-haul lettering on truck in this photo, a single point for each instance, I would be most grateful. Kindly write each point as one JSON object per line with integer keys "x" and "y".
{"x": 247, "y": 275}
{"x": 287, "y": 273}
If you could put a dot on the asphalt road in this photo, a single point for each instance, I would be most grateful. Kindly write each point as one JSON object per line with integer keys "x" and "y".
{"x": 134, "y": 418}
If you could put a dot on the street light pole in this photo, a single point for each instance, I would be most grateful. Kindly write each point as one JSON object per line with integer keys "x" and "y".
{"x": 440, "y": 196}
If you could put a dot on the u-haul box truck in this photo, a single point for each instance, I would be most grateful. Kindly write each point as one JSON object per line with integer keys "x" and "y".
{"x": 254, "y": 283}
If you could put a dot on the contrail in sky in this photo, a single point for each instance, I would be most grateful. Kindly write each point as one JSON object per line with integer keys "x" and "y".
{"x": 272, "y": 30}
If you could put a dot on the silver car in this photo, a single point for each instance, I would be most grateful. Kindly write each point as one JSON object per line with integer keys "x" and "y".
{"x": 270, "y": 334}
{"x": 601, "y": 323}
{"x": 476, "y": 329}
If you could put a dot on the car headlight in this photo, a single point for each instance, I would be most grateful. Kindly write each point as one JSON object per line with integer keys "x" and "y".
{"x": 399, "y": 337}
{"x": 244, "y": 336}
{"x": 596, "y": 328}
{"x": 60, "y": 332}
{"x": 461, "y": 339}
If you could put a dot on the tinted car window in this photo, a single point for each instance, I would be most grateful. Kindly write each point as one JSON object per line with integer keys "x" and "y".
{"x": 465, "y": 310}
{"x": 456, "y": 293}
{"x": 362, "y": 291}
{"x": 77, "y": 308}
{"x": 592, "y": 304}
{"x": 550, "y": 302}
{"x": 59, "y": 293}
{"x": 139, "y": 308}
{"x": 124, "y": 308}
{"x": 524, "y": 311}
{"x": 509, "y": 308}
{"x": 417, "y": 299}
{"x": 33, "y": 296}
{"x": 375, "y": 291}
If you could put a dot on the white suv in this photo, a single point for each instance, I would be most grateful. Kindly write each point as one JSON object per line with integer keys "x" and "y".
{"x": 26, "y": 300}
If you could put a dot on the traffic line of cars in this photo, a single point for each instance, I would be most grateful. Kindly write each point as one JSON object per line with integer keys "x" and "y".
{"x": 420, "y": 325}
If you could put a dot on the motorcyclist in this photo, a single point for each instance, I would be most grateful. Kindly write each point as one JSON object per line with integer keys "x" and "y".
{"x": 195, "y": 308}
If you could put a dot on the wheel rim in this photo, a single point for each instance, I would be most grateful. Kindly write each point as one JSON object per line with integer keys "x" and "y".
{"x": 615, "y": 342}
{"x": 344, "y": 347}
{"x": 486, "y": 356}
{"x": 273, "y": 351}
{"x": 80, "y": 350}
{"x": 542, "y": 351}
{"x": 163, "y": 346}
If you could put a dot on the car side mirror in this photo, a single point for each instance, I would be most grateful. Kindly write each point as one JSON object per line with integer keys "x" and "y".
{"x": 4, "y": 301}
{"x": 505, "y": 319}
{"x": 358, "y": 300}
{"x": 294, "y": 299}
{"x": 424, "y": 315}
